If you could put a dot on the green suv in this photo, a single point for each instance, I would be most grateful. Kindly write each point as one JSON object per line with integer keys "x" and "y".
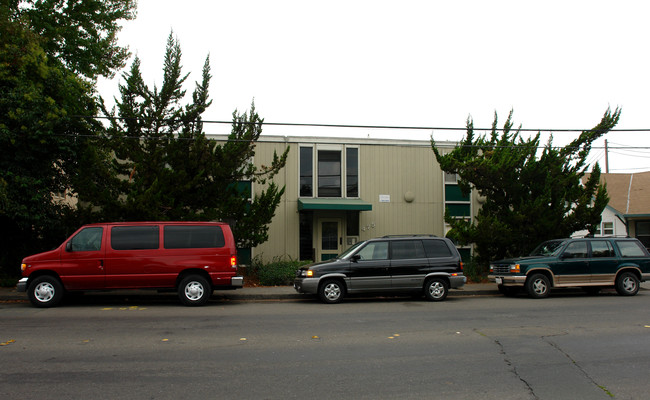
{"x": 590, "y": 263}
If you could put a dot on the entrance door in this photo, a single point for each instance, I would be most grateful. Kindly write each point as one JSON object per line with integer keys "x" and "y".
{"x": 330, "y": 239}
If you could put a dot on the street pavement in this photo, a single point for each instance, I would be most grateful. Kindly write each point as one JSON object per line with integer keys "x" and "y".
{"x": 279, "y": 292}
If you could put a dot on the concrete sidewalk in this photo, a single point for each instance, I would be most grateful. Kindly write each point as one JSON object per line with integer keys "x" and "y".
{"x": 278, "y": 292}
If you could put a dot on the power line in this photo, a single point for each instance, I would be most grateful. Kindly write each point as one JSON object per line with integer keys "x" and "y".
{"x": 395, "y": 127}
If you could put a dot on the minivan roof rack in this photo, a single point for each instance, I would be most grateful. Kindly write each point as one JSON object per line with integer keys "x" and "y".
{"x": 408, "y": 235}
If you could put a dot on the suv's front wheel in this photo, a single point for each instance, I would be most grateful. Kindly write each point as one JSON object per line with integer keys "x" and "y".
{"x": 538, "y": 286}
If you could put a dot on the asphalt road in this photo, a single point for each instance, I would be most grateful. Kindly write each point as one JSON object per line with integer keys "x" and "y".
{"x": 487, "y": 347}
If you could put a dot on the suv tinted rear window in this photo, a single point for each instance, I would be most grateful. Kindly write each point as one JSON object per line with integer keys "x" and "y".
{"x": 134, "y": 237}
{"x": 630, "y": 248}
{"x": 193, "y": 237}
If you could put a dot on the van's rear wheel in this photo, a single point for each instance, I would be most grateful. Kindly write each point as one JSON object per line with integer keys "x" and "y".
{"x": 45, "y": 291}
{"x": 194, "y": 290}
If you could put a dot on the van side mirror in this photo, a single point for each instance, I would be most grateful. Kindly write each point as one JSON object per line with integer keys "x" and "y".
{"x": 355, "y": 258}
{"x": 68, "y": 246}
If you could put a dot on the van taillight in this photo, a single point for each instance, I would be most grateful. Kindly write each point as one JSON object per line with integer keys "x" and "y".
{"x": 461, "y": 265}
{"x": 233, "y": 261}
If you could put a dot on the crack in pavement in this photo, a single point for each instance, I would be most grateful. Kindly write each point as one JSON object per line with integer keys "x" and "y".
{"x": 575, "y": 363}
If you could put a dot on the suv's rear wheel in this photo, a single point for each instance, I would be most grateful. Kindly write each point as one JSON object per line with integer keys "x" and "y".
{"x": 331, "y": 291}
{"x": 436, "y": 289}
{"x": 627, "y": 284}
{"x": 194, "y": 290}
{"x": 538, "y": 286}
{"x": 45, "y": 291}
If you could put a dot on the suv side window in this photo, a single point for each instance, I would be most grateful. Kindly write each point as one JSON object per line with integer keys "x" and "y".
{"x": 575, "y": 250}
{"x": 407, "y": 249}
{"x": 135, "y": 237}
{"x": 193, "y": 237}
{"x": 436, "y": 248}
{"x": 89, "y": 239}
{"x": 374, "y": 251}
{"x": 601, "y": 248}
{"x": 630, "y": 248}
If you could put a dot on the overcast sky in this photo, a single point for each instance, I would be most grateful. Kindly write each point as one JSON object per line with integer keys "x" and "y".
{"x": 557, "y": 64}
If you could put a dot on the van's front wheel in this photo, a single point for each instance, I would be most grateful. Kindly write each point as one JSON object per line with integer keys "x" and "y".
{"x": 45, "y": 291}
{"x": 194, "y": 290}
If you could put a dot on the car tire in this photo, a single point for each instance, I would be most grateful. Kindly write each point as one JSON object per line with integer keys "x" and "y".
{"x": 436, "y": 289}
{"x": 508, "y": 291}
{"x": 627, "y": 284}
{"x": 194, "y": 290}
{"x": 538, "y": 286}
{"x": 331, "y": 291}
{"x": 45, "y": 291}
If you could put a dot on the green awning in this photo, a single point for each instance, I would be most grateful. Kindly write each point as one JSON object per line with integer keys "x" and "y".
{"x": 334, "y": 204}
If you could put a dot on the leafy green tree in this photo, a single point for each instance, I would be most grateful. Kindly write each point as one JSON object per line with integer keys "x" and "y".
{"x": 166, "y": 168}
{"x": 528, "y": 197}
{"x": 45, "y": 85}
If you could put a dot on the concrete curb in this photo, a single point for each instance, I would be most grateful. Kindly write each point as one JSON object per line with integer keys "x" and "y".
{"x": 271, "y": 293}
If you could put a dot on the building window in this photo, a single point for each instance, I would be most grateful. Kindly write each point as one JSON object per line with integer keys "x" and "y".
{"x": 306, "y": 171}
{"x": 608, "y": 228}
{"x": 329, "y": 173}
{"x": 352, "y": 171}
{"x": 332, "y": 170}
{"x": 456, "y": 202}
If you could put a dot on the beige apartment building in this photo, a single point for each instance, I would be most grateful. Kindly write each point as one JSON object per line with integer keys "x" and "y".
{"x": 342, "y": 190}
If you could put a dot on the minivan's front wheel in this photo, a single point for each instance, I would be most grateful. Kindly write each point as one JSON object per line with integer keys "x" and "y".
{"x": 194, "y": 290}
{"x": 331, "y": 291}
{"x": 45, "y": 291}
{"x": 436, "y": 289}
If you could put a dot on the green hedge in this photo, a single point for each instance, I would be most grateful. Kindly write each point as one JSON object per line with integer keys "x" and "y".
{"x": 280, "y": 271}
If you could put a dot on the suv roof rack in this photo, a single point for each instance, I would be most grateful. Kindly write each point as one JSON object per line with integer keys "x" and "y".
{"x": 407, "y": 235}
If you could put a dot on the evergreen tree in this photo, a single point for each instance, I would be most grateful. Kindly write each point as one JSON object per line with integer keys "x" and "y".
{"x": 50, "y": 54}
{"x": 166, "y": 168}
{"x": 529, "y": 197}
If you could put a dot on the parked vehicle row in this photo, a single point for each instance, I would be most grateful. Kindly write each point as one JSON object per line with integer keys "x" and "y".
{"x": 195, "y": 258}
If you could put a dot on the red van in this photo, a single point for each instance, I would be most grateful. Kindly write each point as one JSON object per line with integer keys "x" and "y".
{"x": 193, "y": 258}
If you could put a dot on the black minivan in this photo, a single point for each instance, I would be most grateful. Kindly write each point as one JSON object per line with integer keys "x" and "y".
{"x": 427, "y": 264}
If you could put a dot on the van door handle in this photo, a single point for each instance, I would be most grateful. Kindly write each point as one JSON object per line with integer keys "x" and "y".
{"x": 101, "y": 264}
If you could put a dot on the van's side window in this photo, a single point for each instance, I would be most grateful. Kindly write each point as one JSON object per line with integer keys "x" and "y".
{"x": 406, "y": 249}
{"x": 135, "y": 237}
{"x": 89, "y": 239}
{"x": 436, "y": 248}
{"x": 193, "y": 237}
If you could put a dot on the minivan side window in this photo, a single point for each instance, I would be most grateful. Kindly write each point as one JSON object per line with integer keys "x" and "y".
{"x": 374, "y": 251}
{"x": 407, "y": 249}
{"x": 193, "y": 237}
{"x": 630, "y": 248}
{"x": 134, "y": 237}
{"x": 436, "y": 248}
{"x": 89, "y": 239}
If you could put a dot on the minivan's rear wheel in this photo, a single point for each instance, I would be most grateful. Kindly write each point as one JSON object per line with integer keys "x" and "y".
{"x": 627, "y": 284}
{"x": 194, "y": 290}
{"x": 331, "y": 291}
{"x": 538, "y": 286}
{"x": 45, "y": 291}
{"x": 436, "y": 289}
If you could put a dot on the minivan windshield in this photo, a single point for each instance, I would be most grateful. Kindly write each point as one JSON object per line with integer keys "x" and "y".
{"x": 347, "y": 253}
{"x": 548, "y": 248}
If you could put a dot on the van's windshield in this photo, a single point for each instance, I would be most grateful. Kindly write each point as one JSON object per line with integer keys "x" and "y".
{"x": 548, "y": 248}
